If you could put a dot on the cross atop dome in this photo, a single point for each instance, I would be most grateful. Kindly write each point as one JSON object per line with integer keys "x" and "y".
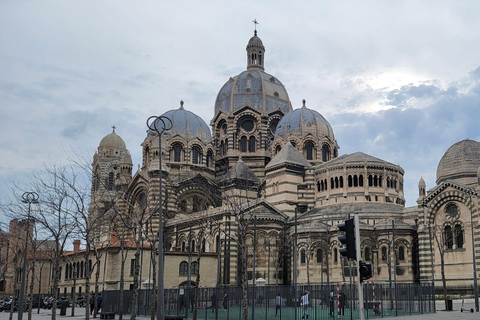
{"x": 255, "y": 22}
{"x": 113, "y": 127}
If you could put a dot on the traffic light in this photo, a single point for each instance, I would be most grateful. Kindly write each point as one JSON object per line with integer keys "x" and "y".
{"x": 347, "y": 239}
{"x": 366, "y": 271}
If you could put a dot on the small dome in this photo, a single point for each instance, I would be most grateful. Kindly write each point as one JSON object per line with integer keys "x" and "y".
{"x": 112, "y": 140}
{"x": 255, "y": 41}
{"x": 188, "y": 125}
{"x": 303, "y": 121}
{"x": 461, "y": 160}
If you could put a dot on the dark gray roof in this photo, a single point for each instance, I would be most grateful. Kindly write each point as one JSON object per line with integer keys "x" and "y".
{"x": 357, "y": 157}
{"x": 288, "y": 154}
{"x": 188, "y": 125}
{"x": 363, "y": 208}
{"x": 250, "y": 88}
{"x": 240, "y": 171}
{"x": 303, "y": 121}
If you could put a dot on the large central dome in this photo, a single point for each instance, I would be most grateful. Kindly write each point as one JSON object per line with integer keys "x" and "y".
{"x": 253, "y": 87}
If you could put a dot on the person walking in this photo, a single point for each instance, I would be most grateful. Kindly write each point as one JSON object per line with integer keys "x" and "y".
{"x": 332, "y": 305}
{"x": 278, "y": 304}
{"x": 343, "y": 303}
{"x": 304, "y": 301}
{"x": 213, "y": 298}
{"x": 225, "y": 301}
{"x": 91, "y": 302}
{"x": 99, "y": 302}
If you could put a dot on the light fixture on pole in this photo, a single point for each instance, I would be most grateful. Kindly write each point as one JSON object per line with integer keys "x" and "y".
{"x": 27, "y": 197}
{"x": 160, "y": 124}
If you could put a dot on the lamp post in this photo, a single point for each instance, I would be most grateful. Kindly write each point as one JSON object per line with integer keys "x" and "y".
{"x": 475, "y": 285}
{"x": 160, "y": 124}
{"x": 294, "y": 203}
{"x": 295, "y": 249}
{"x": 27, "y": 197}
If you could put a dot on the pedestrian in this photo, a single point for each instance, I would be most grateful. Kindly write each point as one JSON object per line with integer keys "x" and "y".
{"x": 181, "y": 301}
{"x": 91, "y": 302}
{"x": 343, "y": 303}
{"x": 278, "y": 304}
{"x": 225, "y": 301}
{"x": 332, "y": 306}
{"x": 99, "y": 302}
{"x": 304, "y": 302}
{"x": 213, "y": 298}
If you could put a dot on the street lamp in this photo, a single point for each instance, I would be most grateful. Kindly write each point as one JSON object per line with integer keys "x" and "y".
{"x": 27, "y": 197}
{"x": 160, "y": 124}
{"x": 295, "y": 249}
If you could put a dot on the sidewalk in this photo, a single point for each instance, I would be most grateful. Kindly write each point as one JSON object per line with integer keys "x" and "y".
{"x": 439, "y": 315}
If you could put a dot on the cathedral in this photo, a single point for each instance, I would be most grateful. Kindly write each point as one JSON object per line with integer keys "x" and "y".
{"x": 264, "y": 178}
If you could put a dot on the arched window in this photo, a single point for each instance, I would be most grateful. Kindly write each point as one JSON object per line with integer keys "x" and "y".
{"x": 341, "y": 182}
{"x": 367, "y": 254}
{"x": 380, "y": 179}
{"x": 360, "y": 180}
{"x": 110, "y": 181}
{"x": 332, "y": 183}
{"x": 277, "y": 149}
{"x": 384, "y": 254}
{"x": 203, "y": 245}
{"x": 177, "y": 152}
{"x": 370, "y": 180}
{"x": 335, "y": 255}
{"x": 459, "y": 236}
{"x": 401, "y": 253}
{"x": 319, "y": 256}
{"x": 336, "y": 182}
{"x": 195, "y": 204}
{"x": 325, "y": 153}
{"x": 96, "y": 179}
{"x": 197, "y": 155}
{"x": 355, "y": 181}
{"x": 350, "y": 181}
{"x": 303, "y": 257}
{"x": 183, "y": 206}
{"x": 183, "y": 246}
{"x": 243, "y": 144}
{"x": 209, "y": 158}
{"x": 448, "y": 234}
{"x": 183, "y": 268}
{"x": 251, "y": 144}
{"x": 194, "y": 267}
{"x": 222, "y": 148}
{"x": 309, "y": 150}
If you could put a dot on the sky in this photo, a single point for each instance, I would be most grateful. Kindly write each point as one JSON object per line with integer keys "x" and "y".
{"x": 398, "y": 80}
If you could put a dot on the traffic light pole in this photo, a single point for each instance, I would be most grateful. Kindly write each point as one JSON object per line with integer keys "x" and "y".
{"x": 359, "y": 257}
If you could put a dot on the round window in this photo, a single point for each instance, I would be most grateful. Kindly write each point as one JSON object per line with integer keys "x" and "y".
{"x": 247, "y": 125}
{"x": 452, "y": 210}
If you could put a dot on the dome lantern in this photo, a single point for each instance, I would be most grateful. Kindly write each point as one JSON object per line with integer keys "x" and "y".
{"x": 255, "y": 53}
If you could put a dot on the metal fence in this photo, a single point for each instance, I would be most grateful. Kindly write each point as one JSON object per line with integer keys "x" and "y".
{"x": 338, "y": 301}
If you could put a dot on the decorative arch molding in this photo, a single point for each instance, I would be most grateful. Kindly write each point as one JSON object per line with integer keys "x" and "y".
{"x": 441, "y": 195}
{"x": 368, "y": 243}
{"x": 402, "y": 242}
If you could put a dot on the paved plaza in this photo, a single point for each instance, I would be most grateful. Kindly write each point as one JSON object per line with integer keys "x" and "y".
{"x": 439, "y": 315}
